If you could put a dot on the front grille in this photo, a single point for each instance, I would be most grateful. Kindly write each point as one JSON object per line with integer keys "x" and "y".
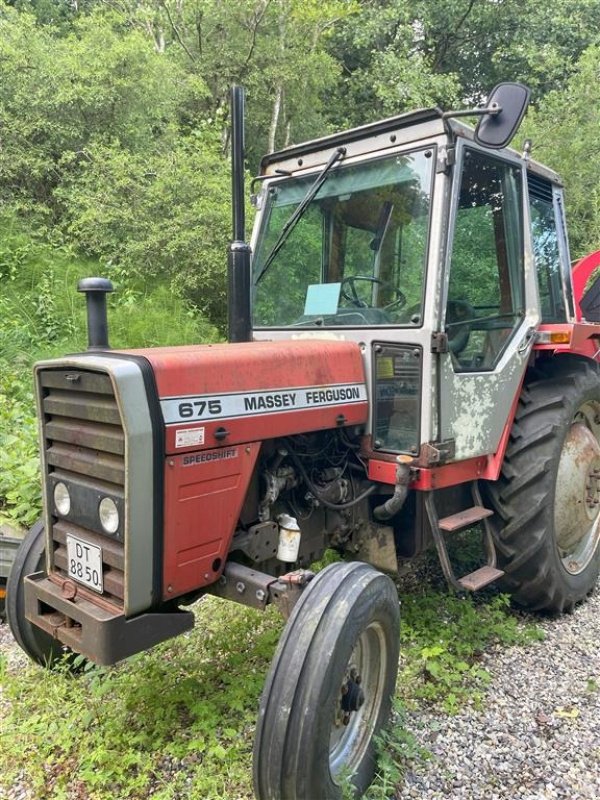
{"x": 84, "y": 446}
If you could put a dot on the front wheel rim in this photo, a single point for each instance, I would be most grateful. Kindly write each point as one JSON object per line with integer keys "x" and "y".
{"x": 349, "y": 741}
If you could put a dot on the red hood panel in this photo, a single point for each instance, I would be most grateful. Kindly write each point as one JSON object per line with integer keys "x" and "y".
{"x": 226, "y": 394}
{"x": 213, "y": 368}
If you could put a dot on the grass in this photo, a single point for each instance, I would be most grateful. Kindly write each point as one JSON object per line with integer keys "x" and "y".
{"x": 174, "y": 722}
{"x": 178, "y": 721}
{"x": 43, "y": 316}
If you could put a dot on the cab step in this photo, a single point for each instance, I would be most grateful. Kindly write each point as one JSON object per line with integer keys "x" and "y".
{"x": 477, "y": 513}
{"x": 480, "y": 578}
{"x": 470, "y": 516}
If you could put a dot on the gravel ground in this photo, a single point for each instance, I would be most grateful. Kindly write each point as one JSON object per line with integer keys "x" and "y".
{"x": 537, "y": 738}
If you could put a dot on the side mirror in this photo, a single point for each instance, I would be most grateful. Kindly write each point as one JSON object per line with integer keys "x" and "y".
{"x": 506, "y": 107}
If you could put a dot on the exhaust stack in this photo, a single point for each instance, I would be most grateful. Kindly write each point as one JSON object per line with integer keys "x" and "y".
{"x": 238, "y": 267}
{"x": 95, "y": 290}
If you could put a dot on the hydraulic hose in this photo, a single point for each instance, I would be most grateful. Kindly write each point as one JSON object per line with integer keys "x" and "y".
{"x": 393, "y": 505}
{"x": 317, "y": 492}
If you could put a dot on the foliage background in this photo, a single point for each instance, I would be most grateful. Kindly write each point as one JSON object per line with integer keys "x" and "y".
{"x": 113, "y": 145}
{"x": 113, "y": 161}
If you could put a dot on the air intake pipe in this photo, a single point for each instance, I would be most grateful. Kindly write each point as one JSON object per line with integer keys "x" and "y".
{"x": 95, "y": 290}
{"x": 238, "y": 268}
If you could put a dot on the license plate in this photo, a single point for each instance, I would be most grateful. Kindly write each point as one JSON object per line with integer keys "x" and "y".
{"x": 85, "y": 563}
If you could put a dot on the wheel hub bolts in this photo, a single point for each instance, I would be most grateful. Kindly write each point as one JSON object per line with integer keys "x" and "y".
{"x": 353, "y": 697}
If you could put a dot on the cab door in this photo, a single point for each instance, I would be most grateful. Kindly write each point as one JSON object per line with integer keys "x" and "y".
{"x": 490, "y": 300}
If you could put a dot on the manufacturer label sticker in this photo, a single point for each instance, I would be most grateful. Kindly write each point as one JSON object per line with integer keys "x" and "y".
{"x": 189, "y": 437}
{"x": 209, "y": 456}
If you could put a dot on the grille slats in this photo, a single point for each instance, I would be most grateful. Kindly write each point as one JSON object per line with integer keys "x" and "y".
{"x": 93, "y": 435}
{"x": 112, "y": 552}
{"x": 112, "y": 489}
{"x": 96, "y": 464}
{"x": 86, "y": 406}
{"x": 112, "y": 579}
{"x": 85, "y": 447}
{"x": 80, "y": 381}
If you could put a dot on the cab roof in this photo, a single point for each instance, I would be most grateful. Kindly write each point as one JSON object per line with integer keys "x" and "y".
{"x": 376, "y": 137}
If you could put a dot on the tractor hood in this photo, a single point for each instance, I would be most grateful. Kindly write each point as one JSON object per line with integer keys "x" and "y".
{"x": 222, "y": 394}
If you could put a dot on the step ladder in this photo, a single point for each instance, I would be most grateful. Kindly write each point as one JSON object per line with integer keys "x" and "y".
{"x": 463, "y": 519}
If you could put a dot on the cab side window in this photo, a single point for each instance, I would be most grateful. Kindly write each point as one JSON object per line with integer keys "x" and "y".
{"x": 546, "y": 251}
{"x": 486, "y": 285}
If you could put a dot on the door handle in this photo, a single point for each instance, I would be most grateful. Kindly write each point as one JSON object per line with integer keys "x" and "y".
{"x": 526, "y": 340}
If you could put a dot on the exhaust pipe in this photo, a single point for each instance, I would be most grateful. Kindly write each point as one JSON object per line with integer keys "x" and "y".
{"x": 238, "y": 266}
{"x": 95, "y": 290}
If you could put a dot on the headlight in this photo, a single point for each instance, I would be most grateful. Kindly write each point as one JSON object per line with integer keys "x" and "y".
{"x": 109, "y": 515}
{"x": 62, "y": 499}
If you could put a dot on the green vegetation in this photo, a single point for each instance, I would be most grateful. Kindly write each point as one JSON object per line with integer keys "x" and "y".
{"x": 113, "y": 161}
{"x": 178, "y": 721}
{"x": 41, "y": 315}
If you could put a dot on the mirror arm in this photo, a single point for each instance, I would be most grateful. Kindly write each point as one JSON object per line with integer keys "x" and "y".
{"x": 493, "y": 110}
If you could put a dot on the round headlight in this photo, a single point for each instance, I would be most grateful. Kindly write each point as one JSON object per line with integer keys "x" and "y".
{"x": 62, "y": 499}
{"x": 109, "y": 515}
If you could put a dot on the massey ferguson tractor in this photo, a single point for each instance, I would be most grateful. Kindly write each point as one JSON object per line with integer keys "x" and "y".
{"x": 410, "y": 354}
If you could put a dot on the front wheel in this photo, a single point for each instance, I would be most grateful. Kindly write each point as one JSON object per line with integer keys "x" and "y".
{"x": 30, "y": 558}
{"x": 329, "y": 690}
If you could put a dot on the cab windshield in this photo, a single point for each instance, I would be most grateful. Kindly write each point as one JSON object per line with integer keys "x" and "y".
{"x": 356, "y": 256}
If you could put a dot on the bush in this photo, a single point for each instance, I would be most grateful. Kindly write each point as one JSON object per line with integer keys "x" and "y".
{"x": 42, "y": 316}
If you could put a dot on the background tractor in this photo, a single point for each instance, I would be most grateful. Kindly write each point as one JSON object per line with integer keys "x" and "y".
{"x": 407, "y": 358}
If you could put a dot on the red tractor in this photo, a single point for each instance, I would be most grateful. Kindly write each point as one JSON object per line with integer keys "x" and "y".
{"x": 408, "y": 357}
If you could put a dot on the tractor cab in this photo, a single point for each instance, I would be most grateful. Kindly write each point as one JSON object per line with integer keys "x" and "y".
{"x": 436, "y": 250}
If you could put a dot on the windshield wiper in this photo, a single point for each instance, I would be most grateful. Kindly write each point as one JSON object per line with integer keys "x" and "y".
{"x": 289, "y": 226}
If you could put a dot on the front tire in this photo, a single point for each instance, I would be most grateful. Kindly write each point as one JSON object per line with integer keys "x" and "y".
{"x": 330, "y": 687}
{"x": 548, "y": 495}
{"x": 30, "y": 558}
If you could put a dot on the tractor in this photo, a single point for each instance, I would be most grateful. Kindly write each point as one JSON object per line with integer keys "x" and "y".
{"x": 410, "y": 354}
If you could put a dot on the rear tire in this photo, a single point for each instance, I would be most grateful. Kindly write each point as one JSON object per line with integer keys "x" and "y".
{"x": 341, "y": 643}
{"x": 547, "y": 497}
{"x": 38, "y": 645}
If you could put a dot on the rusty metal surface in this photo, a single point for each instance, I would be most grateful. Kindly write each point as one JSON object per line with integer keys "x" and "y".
{"x": 70, "y": 590}
{"x": 259, "y": 542}
{"x": 470, "y": 516}
{"x": 112, "y": 578}
{"x": 479, "y": 578}
{"x": 93, "y": 435}
{"x": 577, "y": 497}
{"x": 113, "y": 558}
{"x": 243, "y": 585}
{"x": 81, "y": 380}
{"x": 377, "y": 546}
{"x": 85, "y": 446}
{"x": 67, "y": 403}
{"x": 94, "y": 463}
{"x": 103, "y": 636}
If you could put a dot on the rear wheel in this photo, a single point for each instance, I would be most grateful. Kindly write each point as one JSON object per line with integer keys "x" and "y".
{"x": 548, "y": 495}
{"x": 38, "y": 645}
{"x": 330, "y": 687}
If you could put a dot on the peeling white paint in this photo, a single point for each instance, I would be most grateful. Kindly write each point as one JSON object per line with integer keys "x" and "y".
{"x": 328, "y": 335}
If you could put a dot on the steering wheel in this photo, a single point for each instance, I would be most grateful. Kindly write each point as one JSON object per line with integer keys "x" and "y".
{"x": 459, "y": 316}
{"x": 352, "y": 296}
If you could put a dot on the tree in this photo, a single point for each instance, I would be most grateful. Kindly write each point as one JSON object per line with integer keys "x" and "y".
{"x": 565, "y": 129}
{"x": 401, "y": 54}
